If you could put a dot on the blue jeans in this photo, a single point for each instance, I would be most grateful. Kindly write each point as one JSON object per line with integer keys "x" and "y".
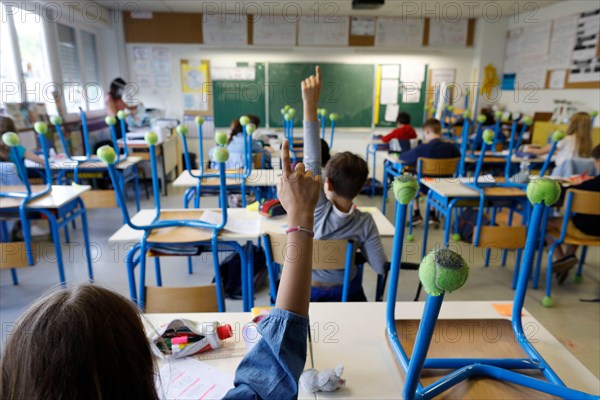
{"x": 334, "y": 293}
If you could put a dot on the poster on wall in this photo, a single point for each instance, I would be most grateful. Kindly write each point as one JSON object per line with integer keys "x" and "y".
{"x": 195, "y": 84}
{"x": 161, "y": 66}
{"x": 585, "y": 64}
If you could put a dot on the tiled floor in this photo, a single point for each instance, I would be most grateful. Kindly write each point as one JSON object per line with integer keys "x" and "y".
{"x": 576, "y": 324}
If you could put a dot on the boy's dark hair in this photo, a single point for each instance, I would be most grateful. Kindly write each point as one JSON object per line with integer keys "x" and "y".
{"x": 596, "y": 152}
{"x": 325, "y": 155}
{"x": 434, "y": 124}
{"x": 403, "y": 118}
{"x": 347, "y": 173}
{"x": 78, "y": 343}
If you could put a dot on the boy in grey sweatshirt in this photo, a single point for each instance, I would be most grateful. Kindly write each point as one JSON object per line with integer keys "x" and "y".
{"x": 336, "y": 217}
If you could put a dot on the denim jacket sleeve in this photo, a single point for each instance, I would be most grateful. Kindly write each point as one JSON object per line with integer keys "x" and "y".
{"x": 272, "y": 368}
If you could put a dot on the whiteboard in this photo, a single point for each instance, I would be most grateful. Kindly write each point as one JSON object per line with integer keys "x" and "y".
{"x": 274, "y": 30}
{"x": 323, "y": 30}
{"x": 448, "y": 33}
{"x": 399, "y": 32}
{"x": 225, "y": 29}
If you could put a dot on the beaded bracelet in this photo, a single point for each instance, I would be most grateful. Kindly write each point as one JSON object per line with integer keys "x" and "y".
{"x": 300, "y": 229}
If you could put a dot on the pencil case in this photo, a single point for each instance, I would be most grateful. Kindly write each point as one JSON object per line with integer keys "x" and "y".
{"x": 182, "y": 338}
{"x": 272, "y": 208}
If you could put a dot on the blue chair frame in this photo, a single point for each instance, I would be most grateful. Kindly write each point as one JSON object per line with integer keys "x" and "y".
{"x": 465, "y": 368}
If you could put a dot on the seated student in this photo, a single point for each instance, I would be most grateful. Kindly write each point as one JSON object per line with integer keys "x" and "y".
{"x": 89, "y": 343}
{"x": 235, "y": 145}
{"x": 403, "y": 132}
{"x": 434, "y": 147}
{"x": 577, "y": 143}
{"x": 581, "y": 225}
{"x": 336, "y": 216}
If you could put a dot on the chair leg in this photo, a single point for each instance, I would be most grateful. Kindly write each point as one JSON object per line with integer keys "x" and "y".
{"x": 130, "y": 262}
{"x": 541, "y": 239}
{"x": 547, "y": 300}
{"x": 142, "y": 290}
{"x": 190, "y": 266}
{"x": 250, "y": 273}
{"x": 384, "y": 196}
{"x": 578, "y": 278}
{"x": 86, "y": 239}
{"x": 217, "y": 269}
{"x": 56, "y": 238}
{"x": 15, "y": 279}
{"x": 157, "y": 271}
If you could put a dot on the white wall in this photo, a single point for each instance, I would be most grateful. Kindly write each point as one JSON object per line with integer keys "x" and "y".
{"x": 543, "y": 100}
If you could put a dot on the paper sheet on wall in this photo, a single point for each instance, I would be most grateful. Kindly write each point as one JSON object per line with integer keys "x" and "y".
{"x": 161, "y": 66}
{"x": 536, "y": 39}
{"x": 448, "y": 33}
{"x": 323, "y": 31}
{"x": 532, "y": 72}
{"x": 413, "y": 73}
{"x": 142, "y": 56}
{"x": 399, "y": 32}
{"x": 274, "y": 30}
{"x": 225, "y": 29}
{"x": 585, "y": 65}
{"x": 232, "y": 71}
{"x": 390, "y": 72}
{"x": 562, "y": 42}
{"x": 391, "y": 112}
{"x": 191, "y": 379}
{"x": 389, "y": 91}
{"x": 195, "y": 84}
{"x": 363, "y": 26}
{"x": 513, "y": 51}
{"x": 557, "y": 79}
{"x": 442, "y": 75}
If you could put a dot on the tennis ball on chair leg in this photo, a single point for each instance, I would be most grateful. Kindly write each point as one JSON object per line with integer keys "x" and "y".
{"x": 221, "y": 154}
{"x": 106, "y": 154}
{"x": 121, "y": 114}
{"x": 182, "y": 129}
{"x": 544, "y": 190}
{"x": 151, "y": 138}
{"x": 547, "y": 302}
{"x": 488, "y": 136}
{"x": 221, "y": 138}
{"x": 10, "y": 139}
{"x": 443, "y": 271}
{"x": 244, "y": 120}
{"x": 56, "y": 120}
{"x": 40, "y": 127}
{"x": 405, "y": 188}
{"x": 456, "y": 237}
{"x": 481, "y": 118}
{"x": 199, "y": 120}
{"x": 410, "y": 237}
{"x": 557, "y": 136}
{"x": 110, "y": 120}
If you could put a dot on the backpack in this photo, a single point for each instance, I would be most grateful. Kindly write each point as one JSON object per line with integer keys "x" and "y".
{"x": 467, "y": 223}
{"x": 231, "y": 271}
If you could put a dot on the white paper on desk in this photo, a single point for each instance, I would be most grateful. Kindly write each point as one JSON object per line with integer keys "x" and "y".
{"x": 192, "y": 379}
{"x": 488, "y": 178}
{"x": 391, "y": 112}
{"x": 240, "y": 226}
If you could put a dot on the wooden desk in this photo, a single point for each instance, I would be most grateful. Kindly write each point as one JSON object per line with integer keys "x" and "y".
{"x": 257, "y": 178}
{"x": 353, "y": 334}
{"x": 95, "y": 164}
{"x": 543, "y": 129}
{"x": 233, "y": 349}
{"x": 452, "y": 188}
{"x": 58, "y": 196}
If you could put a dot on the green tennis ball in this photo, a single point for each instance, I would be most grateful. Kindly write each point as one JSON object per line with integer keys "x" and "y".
{"x": 488, "y": 136}
{"x": 499, "y": 114}
{"x": 450, "y": 108}
{"x": 334, "y": 116}
{"x": 199, "y": 120}
{"x": 594, "y": 114}
{"x": 11, "y": 139}
{"x": 292, "y": 112}
{"x": 221, "y": 138}
{"x": 410, "y": 237}
{"x": 547, "y": 302}
{"x": 286, "y": 107}
{"x": 467, "y": 114}
{"x": 287, "y": 116}
{"x": 283, "y": 111}
{"x": 40, "y": 127}
{"x": 456, "y": 237}
{"x": 244, "y": 120}
{"x": 323, "y": 112}
{"x": 527, "y": 120}
{"x": 110, "y": 120}
{"x": 56, "y": 120}
{"x": 250, "y": 128}
{"x": 544, "y": 190}
{"x": 151, "y": 138}
{"x": 405, "y": 188}
{"x": 481, "y": 118}
{"x": 221, "y": 154}
{"x": 182, "y": 130}
{"x": 558, "y": 136}
{"x": 106, "y": 154}
{"x": 443, "y": 271}
{"x": 121, "y": 114}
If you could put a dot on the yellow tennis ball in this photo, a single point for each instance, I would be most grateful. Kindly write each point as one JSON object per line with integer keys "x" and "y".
{"x": 40, "y": 127}
{"x": 110, "y": 120}
{"x": 56, "y": 120}
{"x": 10, "y": 139}
{"x": 221, "y": 138}
{"x": 121, "y": 114}
{"x": 182, "y": 130}
{"x": 221, "y": 154}
{"x": 107, "y": 154}
{"x": 199, "y": 120}
{"x": 151, "y": 138}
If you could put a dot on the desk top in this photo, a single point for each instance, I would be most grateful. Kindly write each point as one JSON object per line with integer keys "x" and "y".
{"x": 58, "y": 196}
{"x": 258, "y": 177}
{"x": 353, "y": 334}
{"x": 65, "y": 163}
{"x": 452, "y": 187}
{"x": 276, "y": 224}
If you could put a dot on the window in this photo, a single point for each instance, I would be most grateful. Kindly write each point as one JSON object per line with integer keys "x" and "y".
{"x": 70, "y": 69}
{"x": 92, "y": 86}
{"x": 8, "y": 71}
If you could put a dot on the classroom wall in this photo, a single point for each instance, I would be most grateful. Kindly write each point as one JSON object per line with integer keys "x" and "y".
{"x": 543, "y": 100}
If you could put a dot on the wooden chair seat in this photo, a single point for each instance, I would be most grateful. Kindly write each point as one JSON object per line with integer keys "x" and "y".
{"x": 180, "y": 234}
{"x": 502, "y": 218}
{"x": 569, "y": 239}
{"x": 503, "y": 237}
{"x": 471, "y": 338}
{"x": 181, "y": 299}
{"x": 503, "y": 191}
{"x": 14, "y": 255}
{"x": 327, "y": 254}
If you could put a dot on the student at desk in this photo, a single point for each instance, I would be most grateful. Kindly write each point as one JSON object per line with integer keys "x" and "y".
{"x": 89, "y": 343}
{"x": 335, "y": 215}
{"x": 577, "y": 143}
{"x": 404, "y": 132}
{"x": 434, "y": 147}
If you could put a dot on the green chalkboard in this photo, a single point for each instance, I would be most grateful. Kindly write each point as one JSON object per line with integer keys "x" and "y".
{"x": 414, "y": 109}
{"x": 231, "y": 99}
{"x": 347, "y": 90}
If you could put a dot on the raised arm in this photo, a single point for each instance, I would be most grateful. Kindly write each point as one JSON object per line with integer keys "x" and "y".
{"x": 311, "y": 90}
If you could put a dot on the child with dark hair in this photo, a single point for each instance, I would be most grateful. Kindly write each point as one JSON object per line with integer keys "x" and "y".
{"x": 89, "y": 343}
{"x": 336, "y": 217}
{"x": 404, "y": 131}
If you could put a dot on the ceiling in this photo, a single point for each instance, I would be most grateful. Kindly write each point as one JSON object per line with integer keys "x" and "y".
{"x": 392, "y": 8}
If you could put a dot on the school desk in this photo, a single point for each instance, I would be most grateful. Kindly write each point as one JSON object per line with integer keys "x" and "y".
{"x": 230, "y": 355}
{"x": 60, "y": 206}
{"x": 126, "y": 234}
{"x": 353, "y": 334}
{"x": 168, "y": 149}
{"x": 128, "y": 169}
